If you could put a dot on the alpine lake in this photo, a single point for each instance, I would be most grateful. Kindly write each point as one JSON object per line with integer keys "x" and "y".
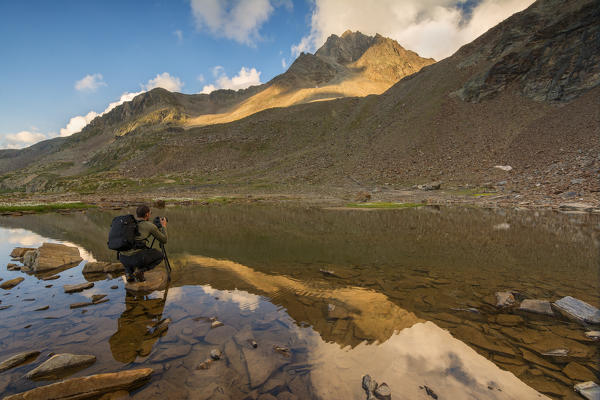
{"x": 311, "y": 299}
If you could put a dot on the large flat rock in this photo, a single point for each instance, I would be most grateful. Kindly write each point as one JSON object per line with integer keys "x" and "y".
{"x": 87, "y": 387}
{"x": 52, "y": 256}
{"x": 78, "y": 287}
{"x": 578, "y": 310}
{"x": 155, "y": 280}
{"x": 60, "y": 365}
{"x": 19, "y": 252}
{"x": 536, "y": 306}
{"x": 102, "y": 267}
{"x": 18, "y": 359}
{"x": 11, "y": 283}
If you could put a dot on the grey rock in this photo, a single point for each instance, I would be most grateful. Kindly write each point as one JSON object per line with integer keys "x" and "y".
{"x": 18, "y": 359}
{"x": 504, "y": 299}
{"x": 536, "y": 306}
{"x": 590, "y": 390}
{"x": 369, "y": 385}
{"x": 60, "y": 364}
{"x": 557, "y": 353}
{"x": 595, "y": 335}
{"x": 578, "y": 310}
{"x": 383, "y": 392}
{"x": 78, "y": 287}
{"x": 431, "y": 186}
{"x": 216, "y": 354}
{"x": 11, "y": 283}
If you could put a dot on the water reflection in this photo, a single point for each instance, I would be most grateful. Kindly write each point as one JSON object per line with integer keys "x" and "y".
{"x": 139, "y": 327}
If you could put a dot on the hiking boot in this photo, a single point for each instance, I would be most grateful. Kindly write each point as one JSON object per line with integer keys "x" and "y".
{"x": 139, "y": 276}
{"x": 130, "y": 278}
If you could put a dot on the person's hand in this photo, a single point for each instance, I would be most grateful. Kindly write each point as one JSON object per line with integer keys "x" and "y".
{"x": 163, "y": 222}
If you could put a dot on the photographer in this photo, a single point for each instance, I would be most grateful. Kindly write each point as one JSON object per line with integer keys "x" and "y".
{"x": 143, "y": 258}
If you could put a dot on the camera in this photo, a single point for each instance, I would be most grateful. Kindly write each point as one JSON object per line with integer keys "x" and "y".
{"x": 157, "y": 219}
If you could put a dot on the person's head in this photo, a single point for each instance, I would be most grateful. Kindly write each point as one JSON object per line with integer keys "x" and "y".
{"x": 143, "y": 212}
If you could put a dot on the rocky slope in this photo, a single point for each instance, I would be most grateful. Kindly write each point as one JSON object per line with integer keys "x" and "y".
{"x": 491, "y": 103}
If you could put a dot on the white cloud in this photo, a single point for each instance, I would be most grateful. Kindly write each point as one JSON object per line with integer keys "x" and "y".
{"x": 164, "y": 81}
{"x": 239, "y": 20}
{"x": 76, "y": 124}
{"x": 433, "y": 28}
{"x": 283, "y": 63}
{"x": 179, "y": 35}
{"x": 245, "y": 78}
{"x": 90, "y": 83}
{"x": 22, "y": 139}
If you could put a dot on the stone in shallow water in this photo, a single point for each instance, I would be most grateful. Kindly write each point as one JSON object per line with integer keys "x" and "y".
{"x": 18, "y": 359}
{"x": 589, "y": 390}
{"x": 155, "y": 279}
{"x": 383, "y": 392}
{"x": 79, "y": 305}
{"x": 60, "y": 364}
{"x": 504, "y": 299}
{"x": 19, "y": 252}
{"x": 51, "y": 256}
{"x": 593, "y": 335}
{"x": 578, "y": 372}
{"x": 87, "y": 386}
{"x": 102, "y": 267}
{"x": 536, "y": 306}
{"x": 78, "y": 287}
{"x": 11, "y": 283}
{"x": 578, "y": 310}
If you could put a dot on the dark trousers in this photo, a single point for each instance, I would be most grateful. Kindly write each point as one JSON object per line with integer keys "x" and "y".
{"x": 143, "y": 260}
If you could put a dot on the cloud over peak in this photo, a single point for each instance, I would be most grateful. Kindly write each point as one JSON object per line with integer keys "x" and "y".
{"x": 90, "y": 83}
{"x": 245, "y": 78}
{"x": 165, "y": 81}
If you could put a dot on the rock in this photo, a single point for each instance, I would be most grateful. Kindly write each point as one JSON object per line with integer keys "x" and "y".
{"x": 590, "y": 390}
{"x": 114, "y": 287}
{"x": 19, "y": 252}
{"x": 327, "y": 272}
{"x": 508, "y": 320}
{"x": 156, "y": 279}
{"x": 51, "y": 256}
{"x": 18, "y": 359}
{"x": 51, "y": 278}
{"x": 576, "y": 207}
{"x": 216, "y": 354}
{"x": 79, "y": 305}
{"x": 78, "y": 287}
{"x": 261, "y": 363}
{"x": 5, "y": 307}
{"x": 216, "y": 324}
{"x": 97, "y": 297}
{"x": 578, "y": 310}
{"x": 60, "y": 364}
{"x": 430, "y": 186}
{"x": 29, "y": 258}
{"x": 102, "y": 267}
{"x": 42, "y": 308}
{"x": 369, "y": 385}
{"x": 11, "y": 283}
{"x": 205, "y": 364}
{"x": 253, "y": 343}
{"x": 536, "y": 306}
{"x": 362, "y": 197}
{"x": 383, "y": 392}
{"x": 13, "y": 267}
{"x": 595, "y": 335}
{"x": 430, "y": 392}
{"x": 284, "y": 351}
{"x": 504, "y": 299}
{"x": 556, "y": 353}
{"x": 87, "y": 386}
{"x": 504, "y": 167}
{"x": 578, "y": 372}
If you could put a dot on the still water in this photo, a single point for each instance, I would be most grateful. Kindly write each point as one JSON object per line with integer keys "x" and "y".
{"x": 407, "y": 296}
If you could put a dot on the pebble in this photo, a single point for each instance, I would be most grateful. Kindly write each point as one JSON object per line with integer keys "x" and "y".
{"x": 78, "y": 288}
{"x": 42, "y": 308}
{"x": 383, "y": 392}
{"x": 504, "y": 299}
{"x": 216, "y": 354}
{"x": 216, "y": 324}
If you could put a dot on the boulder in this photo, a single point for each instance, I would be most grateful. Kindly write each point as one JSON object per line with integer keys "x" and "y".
{"x": 19, "y": 252}
{"x": 431, "y": 186}
{"x": 590, "y": 390}
{"x": 504, "y": 299}
{"x": 11, "y": 283}
{"x": 52, "y": 256}
{"x": 102, "y": 268}
{"x": 578, "y": 310}
{"x": 18, "y": 359}
{"x": 87, "y": 386}
{"x": 536, "y": 306}
{"x": 383, "y": 392}
{"x": 78, "y": 287}
{"x": 156, "y": 279}
{"x": 60, "y": 364}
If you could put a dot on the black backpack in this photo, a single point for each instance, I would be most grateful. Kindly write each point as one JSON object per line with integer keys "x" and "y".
{"x": 123, "y": 231}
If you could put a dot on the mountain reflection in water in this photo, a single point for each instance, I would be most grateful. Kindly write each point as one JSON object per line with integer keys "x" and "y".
{"x": 391, "y": 306}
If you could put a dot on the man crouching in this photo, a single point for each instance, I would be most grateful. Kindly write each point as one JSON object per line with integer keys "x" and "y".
{"x": 143, "y": 258}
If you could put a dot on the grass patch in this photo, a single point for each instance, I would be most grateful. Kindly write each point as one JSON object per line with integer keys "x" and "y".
{"x": 484, "y": 194}
{"x": 40, "y": 208}
{"x": 384, "y": 205}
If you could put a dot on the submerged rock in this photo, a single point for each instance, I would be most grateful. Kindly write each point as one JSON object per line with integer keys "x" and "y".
{"x": 13, "y": 267}
{"x": 155, "y": 279}
{"x": 369, "y": 385}
{"x": 504, "y": 299}
{"x": 578, "y": 372}
{"x": 590, "y": 390}
{"x": 51, "y": 256}
{"x": 60, "y": 364}
{"x": 79, "y": 305}
{"x": 18, "y": 359}
{"x": 216, "y": 354}
{"x": 216, "y": 324}
{"x": 578, "y": 310}
{"x": 87, "y": 386}
{"x": 19, "y": 252}
{"x": 11, "y": 283}
{"x": 78, "y": 287}
{"x": 383, "y": 392}
{"x": 536, "y": 306}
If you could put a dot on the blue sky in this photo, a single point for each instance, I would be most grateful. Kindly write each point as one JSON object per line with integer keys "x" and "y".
{"x": 69, "y": 58}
